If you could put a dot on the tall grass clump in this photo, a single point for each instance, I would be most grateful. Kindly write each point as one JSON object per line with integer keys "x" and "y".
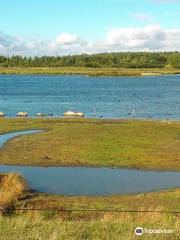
{"x": 12, "y": 187}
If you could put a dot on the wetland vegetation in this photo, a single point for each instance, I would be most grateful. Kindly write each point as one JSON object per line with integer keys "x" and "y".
{"x": 137, "y": 144}
{"x": 89, "y": 71}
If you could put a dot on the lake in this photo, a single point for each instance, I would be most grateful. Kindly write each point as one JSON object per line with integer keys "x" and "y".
{"x": 156, "y": 97}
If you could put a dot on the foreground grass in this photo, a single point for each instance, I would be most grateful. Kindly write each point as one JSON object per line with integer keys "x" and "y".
{"x": 25, "y": 228}
{"x": 57, "y": 225}
{"x": 89, "y": 71}
{"x": 90, "y": 142}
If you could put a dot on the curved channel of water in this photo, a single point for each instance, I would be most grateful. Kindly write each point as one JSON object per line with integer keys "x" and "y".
{"x": 6, "y": 137}
{"x": 90, "y": 181}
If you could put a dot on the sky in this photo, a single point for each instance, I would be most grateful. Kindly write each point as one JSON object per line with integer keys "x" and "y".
{"x": 63, "y": 27}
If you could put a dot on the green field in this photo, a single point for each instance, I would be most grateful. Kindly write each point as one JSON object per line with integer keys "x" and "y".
{"x": 89, "y": 71}
{"x": 90, "y": 142}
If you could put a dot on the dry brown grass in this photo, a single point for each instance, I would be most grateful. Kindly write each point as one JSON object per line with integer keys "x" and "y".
{"x": 12, "y": 187}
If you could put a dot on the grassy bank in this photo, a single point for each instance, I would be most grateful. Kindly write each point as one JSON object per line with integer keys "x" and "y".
{"x": 89, "y": 71}
{"x": 90, "y": 142}
{"x": 57, "y": 225}
{"x": 154, "y": 201}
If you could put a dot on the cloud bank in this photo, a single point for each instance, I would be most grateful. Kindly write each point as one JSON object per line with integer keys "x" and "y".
{"x": 148, "y": 38}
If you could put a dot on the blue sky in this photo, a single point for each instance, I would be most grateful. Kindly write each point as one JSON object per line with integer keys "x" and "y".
{"x": 89, "y": 21}
{"x": 88, "y": 18}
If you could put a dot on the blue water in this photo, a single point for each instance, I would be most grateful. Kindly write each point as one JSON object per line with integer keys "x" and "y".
{"x": 94, "y": 181}
{"x": 110, "y": 97}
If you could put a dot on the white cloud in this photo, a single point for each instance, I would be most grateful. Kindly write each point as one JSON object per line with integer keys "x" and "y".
{"x": 66, "y": 38}
{"x": 66, "y": 43}
{"x": 143, "y": 17}
{"x": 149, "y": 38}
{"x": 152, "y": 37}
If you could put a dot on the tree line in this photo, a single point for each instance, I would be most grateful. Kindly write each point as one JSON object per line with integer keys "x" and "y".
{"x": 102, "y": 60}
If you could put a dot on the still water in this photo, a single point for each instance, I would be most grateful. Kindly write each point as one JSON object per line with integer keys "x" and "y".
{"x": 109, "y": 97}
{"x": 94, "y": 181}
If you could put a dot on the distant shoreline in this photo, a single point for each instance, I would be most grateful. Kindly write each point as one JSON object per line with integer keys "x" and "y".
{"x": 91, "y": 72}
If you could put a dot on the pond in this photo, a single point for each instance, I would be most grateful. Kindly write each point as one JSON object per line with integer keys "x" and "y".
{"x": 90, "y": 181}
{"x": 94, "y": 181}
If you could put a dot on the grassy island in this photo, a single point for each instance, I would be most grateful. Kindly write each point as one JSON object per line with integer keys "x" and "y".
{"x": 140, "y": 144}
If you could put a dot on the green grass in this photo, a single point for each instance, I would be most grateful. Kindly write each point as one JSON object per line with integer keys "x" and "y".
{"x": 89, "y": 71}
{"x": 25, "y": 228}
{"x": 90, "y": 142}
{"x": 163, "y": 200}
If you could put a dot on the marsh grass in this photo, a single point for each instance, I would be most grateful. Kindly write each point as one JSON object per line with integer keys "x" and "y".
{"x": 138, "y": 144}
{"x": 104, "y": 225}
{"x": 95, "y": 72}
{"x": 12, "y": 187}
{"x": 108, "y": 227}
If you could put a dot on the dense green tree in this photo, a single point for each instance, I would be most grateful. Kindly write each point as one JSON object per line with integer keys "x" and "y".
{"x": 102, "y": 60}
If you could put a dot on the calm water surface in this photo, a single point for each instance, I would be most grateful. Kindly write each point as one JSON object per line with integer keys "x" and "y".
{"x": 110, "y": 97}
{"x": 94, "y": 181}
